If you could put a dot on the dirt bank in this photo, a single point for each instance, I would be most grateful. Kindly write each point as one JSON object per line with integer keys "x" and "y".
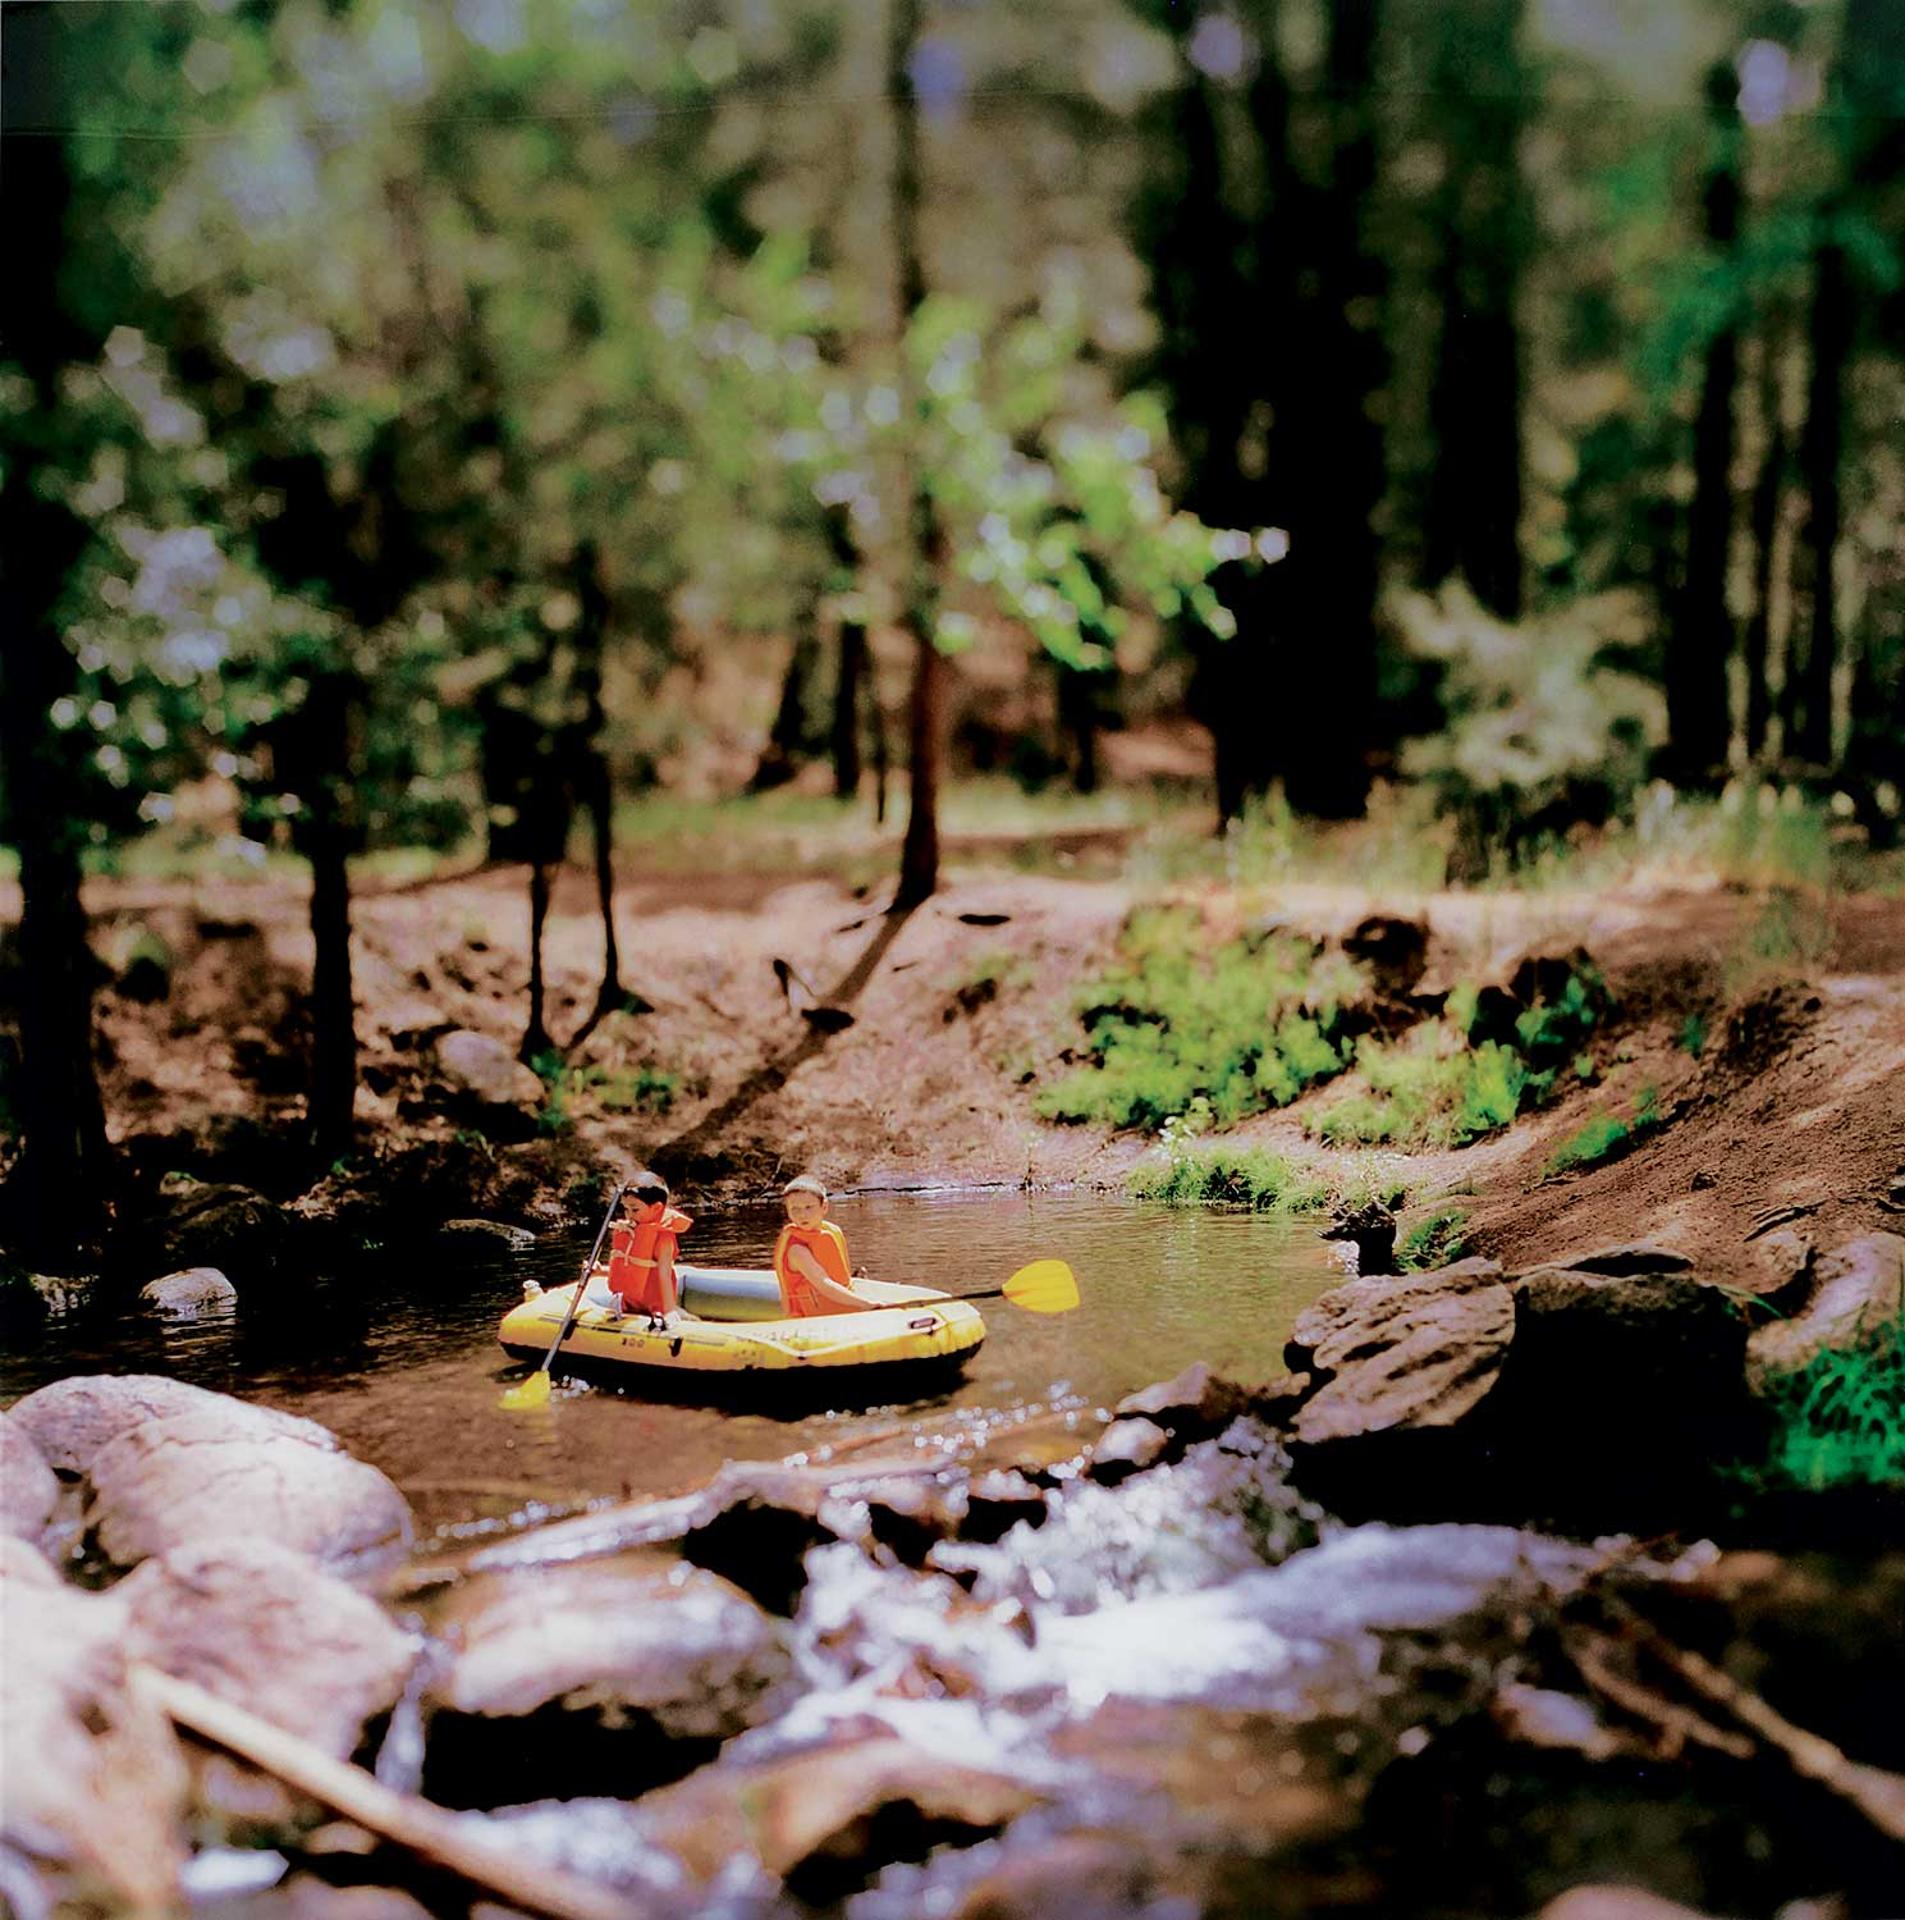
{"x": 1777, "y": 1072}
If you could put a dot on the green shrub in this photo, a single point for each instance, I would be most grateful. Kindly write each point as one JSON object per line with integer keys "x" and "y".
{"x": 1692, "y": 1037}
{"x": 1441, "y": 1086}
{"x": 1244, "y": 1025}
{"x": 1244, "y": 1177}
{"x": 1606, "y": 1137}
{"x": 1429, "y": 1089}
{"x": 1434, "y": 1241}
{"x": 1840, "y": 1420}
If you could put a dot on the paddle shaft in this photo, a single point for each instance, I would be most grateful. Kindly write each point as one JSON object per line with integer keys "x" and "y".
{"x": 582, "y": 1284}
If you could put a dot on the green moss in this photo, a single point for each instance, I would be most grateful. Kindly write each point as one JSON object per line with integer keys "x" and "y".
{"x": 1244, "y": 1025}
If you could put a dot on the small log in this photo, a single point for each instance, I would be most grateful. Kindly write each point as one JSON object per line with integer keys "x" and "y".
{"x": 418, "y": 1826}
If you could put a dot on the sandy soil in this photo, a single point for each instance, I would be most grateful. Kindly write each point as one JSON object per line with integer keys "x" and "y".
{"x": 1795, "y": 1105}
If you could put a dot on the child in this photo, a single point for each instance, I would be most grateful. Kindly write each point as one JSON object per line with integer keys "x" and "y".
{"x": 810, "y": 1257}
{"x": 645, "y": 1242}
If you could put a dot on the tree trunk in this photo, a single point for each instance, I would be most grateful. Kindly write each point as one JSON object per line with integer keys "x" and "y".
{"x": 1700, "y": 639}
{"x": 536, "y": 1041}
{"x": 1078, "y": 720}
{"x": 57, "y": 1197}
{"x": 1821, "y": 444}
{"x": 1333, "y": 451}
{"x": 326, "y": 841}
{"x": 599, "y": 798}
{"x": 787, "y": 738}
{"x": 1768, "y": 488}
{"x": 844, "y": 734}
{"x": 919, "y": 852}
{"x": 1472, "y": 516}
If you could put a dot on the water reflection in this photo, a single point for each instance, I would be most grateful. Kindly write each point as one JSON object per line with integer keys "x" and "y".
{"x": 410, "y": 1376}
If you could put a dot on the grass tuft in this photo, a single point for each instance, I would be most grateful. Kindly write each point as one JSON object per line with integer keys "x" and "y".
{"x": 1840, "y": 1420}
{"x": 1606, "y": 1137}
{"x": 1436, "y": 1240}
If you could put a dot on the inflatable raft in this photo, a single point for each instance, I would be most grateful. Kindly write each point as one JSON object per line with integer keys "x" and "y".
{"x": 737, "y": 1338}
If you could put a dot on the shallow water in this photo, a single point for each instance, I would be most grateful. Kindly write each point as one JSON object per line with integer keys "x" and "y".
{"x": 412, "y": 1380}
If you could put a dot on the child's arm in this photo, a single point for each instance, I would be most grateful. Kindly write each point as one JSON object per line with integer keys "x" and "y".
{"x": 822, "y": 1282}
{"x": 665, "y": 1289}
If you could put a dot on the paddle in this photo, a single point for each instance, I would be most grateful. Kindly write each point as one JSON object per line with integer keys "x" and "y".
{"x": 534, "y": 1392}
{"x": 1046, "y": 1286}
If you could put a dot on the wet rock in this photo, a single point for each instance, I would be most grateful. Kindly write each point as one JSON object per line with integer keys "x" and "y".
{"x": 195, "y": 1293}
{"x": 196, "y": 1477}
{"x": 998, "y": 1501}
{"x": 1364, "y": 1237}
{"x": 1177, "y": 1527}
{"x": 207, "y": 1224}
{"x": 911, "y": 1516}
{"x": 1857, "y": 1295}
{"x": 1194, "y": 1405}
{"x": 303, "y": 1896}
{"x": 1628, "y": 1259}
{"x": 828, "y": 1819}
{"x": 71, "y": 1420}
{"x": 678, "y": 1644}
{"x": 1421, "y": 1351}
{"x": 259, "y": 1625}
{"x": 1127, "y": 1447}
{"x": 1561, "y": 1392}
{"x": 484, "y": 1072}
{"x": 599, "y": 1668}
{"x": 20, "y": 1560}
{"x": 1085, "y": 1876}
{"x": 485, "y": 1237}
{"x": 61, "y": 1296}
{"x": 29, "y": 1490}
{"x": 755, "y": 1528}
{"x": 1543, "y": 1717}
{"x": 95, "y": 1784}
{"x": 1615, "y": 1903}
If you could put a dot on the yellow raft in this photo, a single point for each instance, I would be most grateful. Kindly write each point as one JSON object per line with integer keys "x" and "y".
{"x": 889, "y": 1349}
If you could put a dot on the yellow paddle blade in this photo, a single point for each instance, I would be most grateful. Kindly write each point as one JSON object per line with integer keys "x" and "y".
{"x": 1046, "y": 1286}
{"x": 533, "y": 1392}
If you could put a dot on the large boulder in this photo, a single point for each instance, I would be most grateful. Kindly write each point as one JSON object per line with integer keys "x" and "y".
{"x": 828, "y": 1819}
{"x": 614, "y": 1674}
{"x": 1581, "y": 1396}
{"x": 1419, "y": 1351}
{"x": 261, "y": 1626}
{"x": 196, "y": 1293}
{"x": 73, "y": 1419}
{"x": 211, "y": 1224}
{"x": 1856, "y": 1299}
{"x": 29, "y": 1489}
{"x": 196, "y": 1477}
{"x": 95, "y": 1786}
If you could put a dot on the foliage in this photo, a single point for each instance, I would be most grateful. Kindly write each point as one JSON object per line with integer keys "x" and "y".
{"x": 1692, "y": 1037}
{"x": 1606, "y": 1137}
{"x": 1446, "y": 1082}
{"x": 1538, "y": 730}
{"x": 1234, "y": 1176}
{"x": 1839, "y": 1420}
{"x": 1245, "y": 1024}
{"x": 1436, "y": 1240}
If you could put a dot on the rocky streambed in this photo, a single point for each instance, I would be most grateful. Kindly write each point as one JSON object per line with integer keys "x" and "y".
{"x": 1287, "y": 1648}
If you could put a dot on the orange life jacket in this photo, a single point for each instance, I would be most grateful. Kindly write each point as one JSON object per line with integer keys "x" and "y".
{"x": 828, "y": 1245}
{"x": 636, "y": 1255}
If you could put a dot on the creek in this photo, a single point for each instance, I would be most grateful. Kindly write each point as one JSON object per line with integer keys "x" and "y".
{"x": 406, "y": 1370}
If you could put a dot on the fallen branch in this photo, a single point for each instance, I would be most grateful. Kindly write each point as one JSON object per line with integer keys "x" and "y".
{"x": 1878, "y": 1795}
{"x": 418, "y": 1826}
{"x": 1673, "y": 1724}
